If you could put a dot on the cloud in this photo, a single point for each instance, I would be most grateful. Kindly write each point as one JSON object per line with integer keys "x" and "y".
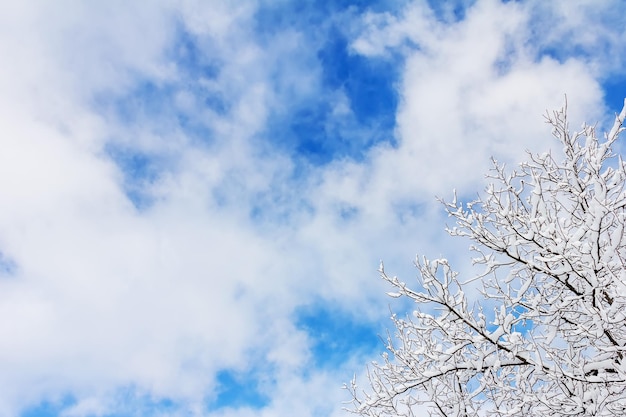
{"x": 192, "y": 194}
{"x": 473, "y": 89}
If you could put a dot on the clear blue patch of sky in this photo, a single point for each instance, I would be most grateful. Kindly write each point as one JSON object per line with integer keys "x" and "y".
{"x": 49, "y": 408}
{"x": 237, "y": 389}
{"x": 614, "y": 90}
{"x": 309, "y": 128}
{"x": 139, "y": 170}
{"x": 450, "y": 11}
{"x": 316, "y": 136}
{"x": 367, "y": 82}
{"x": 563, "y": 51}
{"x": 312, "y": 130}
{"x": 310, "y": 15}
{"x": 336, "y": 335}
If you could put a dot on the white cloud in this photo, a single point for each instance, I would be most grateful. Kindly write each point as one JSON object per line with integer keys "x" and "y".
{"x": 472, "y": 90}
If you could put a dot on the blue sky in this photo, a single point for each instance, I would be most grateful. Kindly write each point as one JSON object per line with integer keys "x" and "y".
{"x": 197, "y": 194}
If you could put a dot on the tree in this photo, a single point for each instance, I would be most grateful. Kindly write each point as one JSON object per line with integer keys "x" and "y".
{"x": 550, "y": 338}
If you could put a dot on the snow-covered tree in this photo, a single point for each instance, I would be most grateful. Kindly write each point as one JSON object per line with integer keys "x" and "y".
{"x": 548, "y": 336}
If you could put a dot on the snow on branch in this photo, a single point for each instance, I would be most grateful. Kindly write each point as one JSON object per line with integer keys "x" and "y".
{"x": 550, "y": 237}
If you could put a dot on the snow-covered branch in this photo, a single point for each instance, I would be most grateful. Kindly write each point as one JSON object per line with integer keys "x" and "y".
{"x": 550, "y": 236}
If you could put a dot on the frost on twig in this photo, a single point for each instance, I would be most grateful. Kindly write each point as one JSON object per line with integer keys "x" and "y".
{"x": 550, "y": 237}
